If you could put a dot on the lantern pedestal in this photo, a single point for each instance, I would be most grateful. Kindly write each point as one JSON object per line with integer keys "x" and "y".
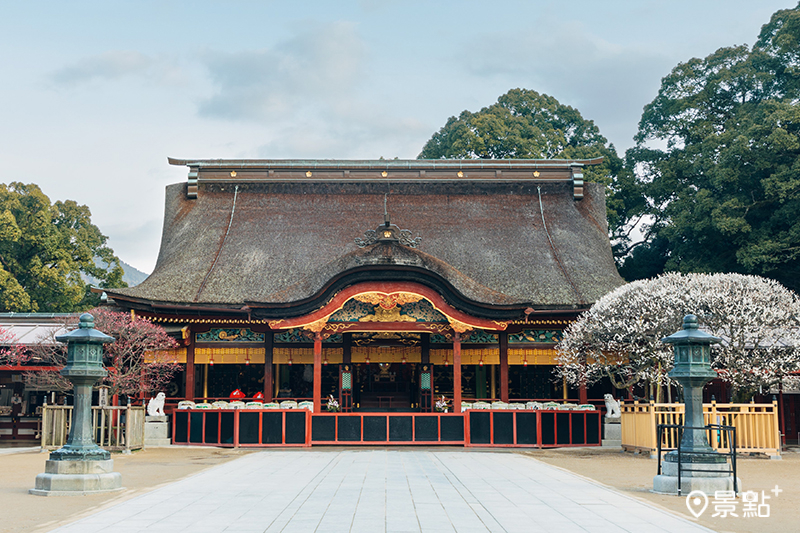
{"x": 715, "y": 475}
{"x": 76, "y": 478}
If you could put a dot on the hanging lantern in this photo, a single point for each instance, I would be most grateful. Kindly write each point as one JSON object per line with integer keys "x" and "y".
{"x": 211, "y": 360}
{"x": 247, "y": 360}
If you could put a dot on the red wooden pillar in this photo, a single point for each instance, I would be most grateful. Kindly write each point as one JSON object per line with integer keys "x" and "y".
{"x": 456, "y": 372}
{"x": 582, "y": 392}
{"x": 504, "y": 366}
{"x": 269, "y": 387}
{"x": 347, "y": 349}
{"x": 317, "y": 372}
{"x": 782, "y": 409}
{"x": 189, "y": 375}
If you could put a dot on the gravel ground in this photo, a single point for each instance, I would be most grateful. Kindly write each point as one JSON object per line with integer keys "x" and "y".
{"x": 633, "y": 475}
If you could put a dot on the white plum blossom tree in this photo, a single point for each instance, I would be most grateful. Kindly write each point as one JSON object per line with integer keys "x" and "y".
{"x": 620, "y": 336}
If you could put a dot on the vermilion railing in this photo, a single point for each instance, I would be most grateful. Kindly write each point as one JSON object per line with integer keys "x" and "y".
{"x": 241, "y": 427}
{"x": 388, "y": 428}
{"x": 533, "y": 428}
{"x": 299, "y": 427}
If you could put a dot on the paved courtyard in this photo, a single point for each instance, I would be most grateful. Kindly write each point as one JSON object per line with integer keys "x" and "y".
{"x": 374, "y": 490}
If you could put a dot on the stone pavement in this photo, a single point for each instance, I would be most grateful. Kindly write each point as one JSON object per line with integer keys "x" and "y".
{"x": 374, "y": 490}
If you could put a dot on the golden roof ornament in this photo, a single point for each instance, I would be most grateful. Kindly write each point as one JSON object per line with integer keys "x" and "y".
{"x": 388, "y": 232}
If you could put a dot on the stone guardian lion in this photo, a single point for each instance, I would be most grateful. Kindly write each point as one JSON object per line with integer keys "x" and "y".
{"x": 612, "y": 407}
{"x": 155, "y": 407}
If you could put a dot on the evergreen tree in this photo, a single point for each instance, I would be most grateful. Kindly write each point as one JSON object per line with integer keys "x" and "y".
{"x": 44, "y": 250}
{"x": 718, "y": 157}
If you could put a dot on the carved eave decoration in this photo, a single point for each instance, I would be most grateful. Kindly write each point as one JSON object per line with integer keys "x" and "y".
{"x": 387, "y": 313}
{"x": 388, "y": 301}
{"x": 388, "y": 233}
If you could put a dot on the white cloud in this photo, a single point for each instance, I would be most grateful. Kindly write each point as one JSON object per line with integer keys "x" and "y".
{"x": 111, "y": 65}
{"x": 321, "y": 66}
{"x": 607, "y": 82}
{"x": 364, "y": 135}
{"x": 115, "y": 65}
{"x": 129, "y": 243}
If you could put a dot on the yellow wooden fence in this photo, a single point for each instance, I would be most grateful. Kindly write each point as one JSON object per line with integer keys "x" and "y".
{"x": 114, "y": 428}
{"x": 757, "y": 429}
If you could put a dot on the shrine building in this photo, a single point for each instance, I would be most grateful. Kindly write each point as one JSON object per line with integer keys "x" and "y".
{"x": 384, "y": 284}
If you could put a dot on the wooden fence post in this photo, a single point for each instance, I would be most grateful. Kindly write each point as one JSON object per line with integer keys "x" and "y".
{"x": 653, "y": 445}
{"x": 128, "y": 427}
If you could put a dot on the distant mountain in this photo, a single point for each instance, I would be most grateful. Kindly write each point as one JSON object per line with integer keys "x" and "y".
{"x": 132, "y": 275}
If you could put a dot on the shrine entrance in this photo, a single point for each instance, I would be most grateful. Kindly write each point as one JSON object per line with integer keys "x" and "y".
{"x": 389, "y": 387}
{"x": 385, "y": 331}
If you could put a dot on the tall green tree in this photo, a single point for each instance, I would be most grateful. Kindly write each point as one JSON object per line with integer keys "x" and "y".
{"x": 525, "y": 124}
{"x": 718, "y": 156}
{"x": 44, "y": 250}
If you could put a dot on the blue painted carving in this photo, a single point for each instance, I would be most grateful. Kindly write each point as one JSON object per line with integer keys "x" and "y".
{"x": 422, "y": 311}
{"x": 476, "y": 336}
{"x": 548, "y": 336}
{"x": 229, "y": 335}
{"x": 298, "y": 335}
{"x": 352, "y": 311}
{"x": 479, "y": 336}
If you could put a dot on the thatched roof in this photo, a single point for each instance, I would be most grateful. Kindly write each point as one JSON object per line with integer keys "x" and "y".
{"x": 290, "y": 236}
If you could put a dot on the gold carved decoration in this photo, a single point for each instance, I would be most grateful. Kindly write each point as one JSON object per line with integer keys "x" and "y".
{"x": 388, "y": 301}
{"x": 408, "y": 339}
{"x": 459, "y": 327}
{"x": 387, "y": 315}
{"x": 443, "y": 329}
{"x": 335, "y": 327}
{"x": 317, "y": 326}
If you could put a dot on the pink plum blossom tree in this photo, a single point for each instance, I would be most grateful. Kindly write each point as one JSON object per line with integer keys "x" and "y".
{"x": 139, "y": 360}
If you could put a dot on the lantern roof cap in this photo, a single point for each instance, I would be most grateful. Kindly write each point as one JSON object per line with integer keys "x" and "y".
{"x": 85, "y": 333}
{"x": 691, "y": 334}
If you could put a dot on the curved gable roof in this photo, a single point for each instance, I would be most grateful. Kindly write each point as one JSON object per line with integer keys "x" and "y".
{"x": 286, "y": 240}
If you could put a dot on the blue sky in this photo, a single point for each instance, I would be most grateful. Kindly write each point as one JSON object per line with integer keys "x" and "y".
{"x": 96, "y": 95}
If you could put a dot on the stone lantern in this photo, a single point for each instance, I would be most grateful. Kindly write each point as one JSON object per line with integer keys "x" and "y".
{"x": 692, "y": 370}
{"x": 81, "y": 466}
{"x": 703, "y": 469}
